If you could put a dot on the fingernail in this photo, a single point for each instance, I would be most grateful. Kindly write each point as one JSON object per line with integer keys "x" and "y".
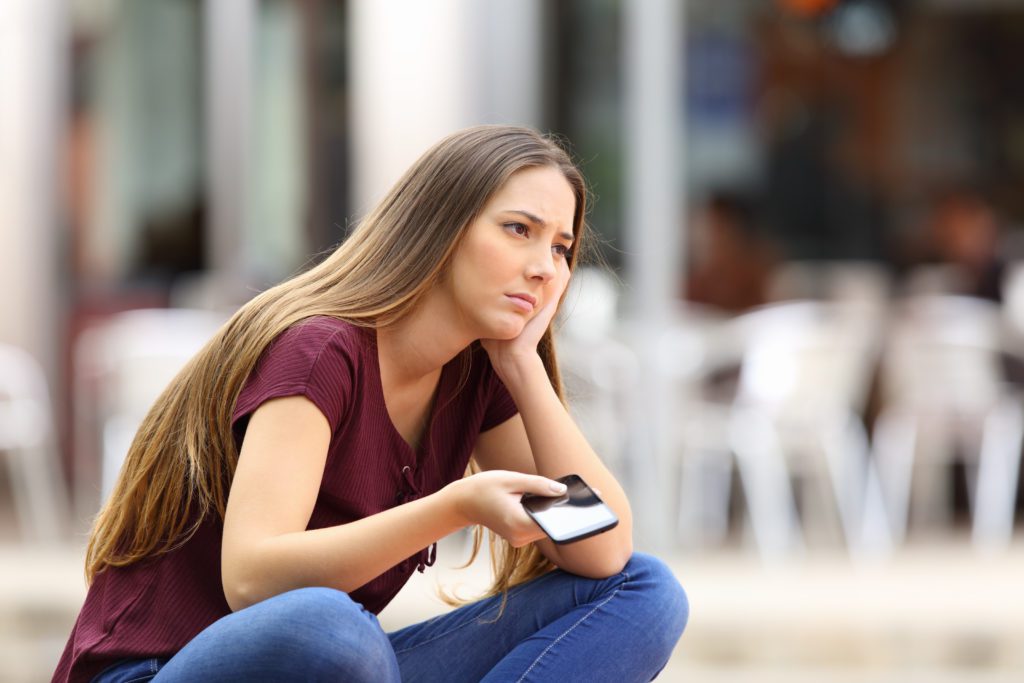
{"x": 557, "y": 488}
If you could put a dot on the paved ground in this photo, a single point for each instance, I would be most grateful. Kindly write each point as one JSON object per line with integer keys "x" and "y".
{"x": 935, "y": 612}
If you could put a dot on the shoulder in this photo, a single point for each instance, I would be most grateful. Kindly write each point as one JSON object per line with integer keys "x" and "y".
{"x": 321, "y": 330}
{"x": 317, "y": 340}
{"x": 320, "y": 357}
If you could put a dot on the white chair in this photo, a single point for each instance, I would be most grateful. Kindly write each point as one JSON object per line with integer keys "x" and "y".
{"x": 935, "y": 279}
{"x": 804, "y": 377}
{"x": 696, "y": 349}
{"x": 863, "y": 282}
{"x": 27, "y": 440}
{"x": 599, "y": 372}
{"x": 945, "y": 396}
{"x": 121, "y": 367}
{"x": 1013, "y": 305}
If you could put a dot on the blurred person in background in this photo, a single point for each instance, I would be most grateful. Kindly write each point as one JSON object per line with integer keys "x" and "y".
{"x": 963, "y": 230}
{"x": 731, "y": 261}
{"x": 289, "y": 481}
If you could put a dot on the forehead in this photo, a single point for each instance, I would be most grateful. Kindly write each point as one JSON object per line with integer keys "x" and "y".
{"x": 543, "y": 192}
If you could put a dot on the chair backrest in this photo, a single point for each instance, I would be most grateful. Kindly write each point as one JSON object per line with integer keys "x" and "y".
{"x": 865, "y": 282}
{"x": 591, "y": 305}
{"x": 697, "y": 341}
{"x": 944, "y": 352}
{"x": 598, "y": 370}
{"x": 600, "y": 382}
{"x": 127, "y": 361}
{"x": 25, "y": 410}
{"x": 1013, "y": 302}
{"x": 805, "y": 357}
{"x": 935, "y": 279}
{"x": 137, "y": 353}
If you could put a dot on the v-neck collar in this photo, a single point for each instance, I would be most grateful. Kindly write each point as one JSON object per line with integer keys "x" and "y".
{"x": 411, "y": 456}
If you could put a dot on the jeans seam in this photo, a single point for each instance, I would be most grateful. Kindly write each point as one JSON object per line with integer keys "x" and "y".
{"x": 139, "y": 679}
{"x": 571, "y": 628}
{"x": 511, "y": 593}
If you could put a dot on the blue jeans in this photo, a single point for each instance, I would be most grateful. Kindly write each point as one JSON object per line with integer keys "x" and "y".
{"x": 559, "y": 627}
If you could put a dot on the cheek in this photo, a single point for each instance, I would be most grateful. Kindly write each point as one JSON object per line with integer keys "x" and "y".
{"x": 488, "y": 262}
{"x": 477, "y": 264}
{"x": 486, "y": 255}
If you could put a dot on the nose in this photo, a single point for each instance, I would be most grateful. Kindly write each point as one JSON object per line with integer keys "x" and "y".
{"x": 542, "y": 267}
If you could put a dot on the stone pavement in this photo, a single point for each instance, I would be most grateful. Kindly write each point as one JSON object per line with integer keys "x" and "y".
{"x": 934, "y": 612}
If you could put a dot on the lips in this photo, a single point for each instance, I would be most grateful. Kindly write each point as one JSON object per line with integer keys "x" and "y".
{"x": 524, "y": 301}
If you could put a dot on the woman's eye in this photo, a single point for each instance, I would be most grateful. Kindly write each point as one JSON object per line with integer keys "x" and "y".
{"x": 518, "y": 228}
{"x": 563, "y": 251}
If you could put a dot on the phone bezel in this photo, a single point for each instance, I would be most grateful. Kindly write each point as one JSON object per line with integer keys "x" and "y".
{"x": 585, "y": 532}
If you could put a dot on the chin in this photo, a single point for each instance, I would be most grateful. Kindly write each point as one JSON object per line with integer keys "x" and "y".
{"x": 506, "y": 329}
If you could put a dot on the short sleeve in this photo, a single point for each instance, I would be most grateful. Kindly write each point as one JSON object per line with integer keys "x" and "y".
{"x": 500, "y": 406}
{"x": 313, "y": 359}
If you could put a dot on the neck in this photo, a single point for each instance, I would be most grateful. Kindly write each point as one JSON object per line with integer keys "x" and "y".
{"x": 419, "y": 345}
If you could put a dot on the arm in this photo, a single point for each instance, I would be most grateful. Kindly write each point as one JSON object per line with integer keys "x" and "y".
{"x": 266, "y": 548}
{"x": 543, "y": 439}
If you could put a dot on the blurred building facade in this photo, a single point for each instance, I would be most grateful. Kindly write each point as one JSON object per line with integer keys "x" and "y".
{"x": 190, "y": 153}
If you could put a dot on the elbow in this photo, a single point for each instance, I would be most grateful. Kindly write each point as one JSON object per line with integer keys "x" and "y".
{"x": 616, "y": 562}
{"x": 236, "y": 601}
{"x": 240, "y": 588}
{"x": 608, "y": 562}
{"x": 623, "y": 558}
{"x": 238, "y": 595}
{"x": 618, "y": 553}
{"x": 244, "y": 575}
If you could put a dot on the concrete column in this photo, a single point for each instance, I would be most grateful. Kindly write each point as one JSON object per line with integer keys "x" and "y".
{"x": 653, "y": 68}
{"x": 507, "y": 57}
{"x": 421, "y": 70}
{"x": 32, "y": 80}
{"x": 409, "y": 86}
{"x": 32, "y": 76}
{"x": 228, "y": 93}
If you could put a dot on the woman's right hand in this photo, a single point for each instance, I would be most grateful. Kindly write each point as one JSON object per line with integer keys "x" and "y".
{"x": 493, "y": 499}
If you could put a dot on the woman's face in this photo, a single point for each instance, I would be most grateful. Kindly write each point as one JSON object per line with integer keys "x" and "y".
{"x": 514, "y": 257}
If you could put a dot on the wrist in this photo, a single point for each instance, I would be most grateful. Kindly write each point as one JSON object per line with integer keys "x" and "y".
{"x": 519, "y": 370}
{"x": 456, "y": 503}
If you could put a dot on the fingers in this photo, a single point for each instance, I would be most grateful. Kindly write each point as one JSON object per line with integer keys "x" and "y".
{"x": 542, "y": 486}
{"x": 492, "y": 499}
{"x": 545, "y": 314}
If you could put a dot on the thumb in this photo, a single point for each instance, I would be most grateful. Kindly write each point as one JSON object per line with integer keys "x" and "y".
{"x": 542, "y": 486}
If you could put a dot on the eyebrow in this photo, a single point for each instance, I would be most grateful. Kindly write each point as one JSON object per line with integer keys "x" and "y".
{"x": 541, "y": 222}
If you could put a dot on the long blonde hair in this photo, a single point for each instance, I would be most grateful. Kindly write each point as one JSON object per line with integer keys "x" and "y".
{"x": 179, "y": 467}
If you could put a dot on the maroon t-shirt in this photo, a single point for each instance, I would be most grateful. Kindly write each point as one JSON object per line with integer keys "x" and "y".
{"x": 155, "y": 607}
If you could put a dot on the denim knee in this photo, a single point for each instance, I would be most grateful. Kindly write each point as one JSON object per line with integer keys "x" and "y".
{"x": 652, "y": 579}
{"x": 331, "y": 636}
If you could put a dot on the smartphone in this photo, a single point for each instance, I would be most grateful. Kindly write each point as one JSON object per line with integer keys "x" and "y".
{"x": 576, "y": 514}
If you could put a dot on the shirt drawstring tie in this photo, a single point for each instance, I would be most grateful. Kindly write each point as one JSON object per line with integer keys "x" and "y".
{"x": 426, "y": 557}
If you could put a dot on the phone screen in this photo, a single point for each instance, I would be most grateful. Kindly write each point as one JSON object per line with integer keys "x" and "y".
{"x": 576, "y": 514}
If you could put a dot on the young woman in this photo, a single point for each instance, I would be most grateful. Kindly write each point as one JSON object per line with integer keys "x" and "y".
{"x": 286, "y": 484}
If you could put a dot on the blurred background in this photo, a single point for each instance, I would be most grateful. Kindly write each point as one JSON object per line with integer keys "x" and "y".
{"x": 803, "y": 355}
